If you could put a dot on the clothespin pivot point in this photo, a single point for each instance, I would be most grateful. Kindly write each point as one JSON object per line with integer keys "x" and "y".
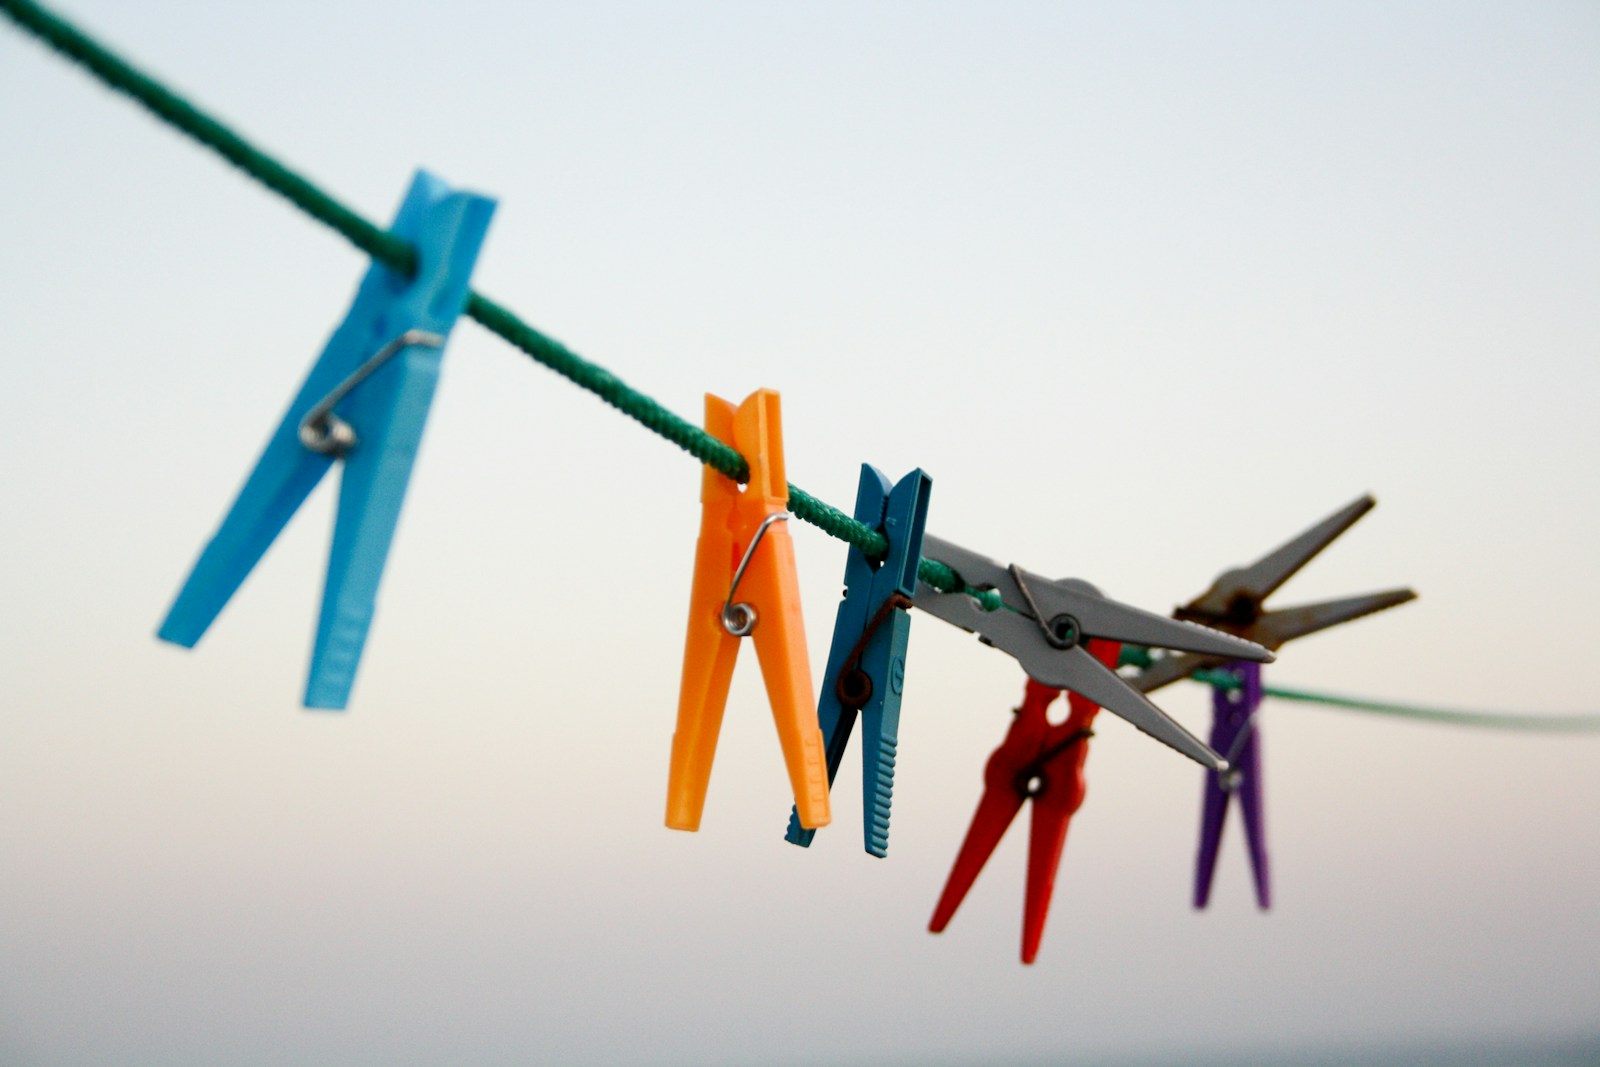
{"x": 326, "y": 433}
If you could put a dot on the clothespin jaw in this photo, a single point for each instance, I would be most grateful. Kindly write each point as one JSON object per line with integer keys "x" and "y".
{"x": 1235, "y": 730}
{"x": 1235, "y": 603}
{"x": 1237, "y": 594}
{"x": 741, "y": 529}
{"x": 866, "y": 663}
{"x": 1044, "y": 625}
{"x": 1043, "y": 763}
{"x": 383, "y": 405}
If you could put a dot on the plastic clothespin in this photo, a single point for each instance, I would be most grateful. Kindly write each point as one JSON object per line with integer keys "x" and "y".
{"x": 1235, "y": 604}
{"x": 1045, "y": 624}
{"x": 1037, "y": 761}
{"x": 867, "y": 662}
{"x": 744, "y": 549}
{"x": 1235, "y": 733}
{"x": 365, "y": 401}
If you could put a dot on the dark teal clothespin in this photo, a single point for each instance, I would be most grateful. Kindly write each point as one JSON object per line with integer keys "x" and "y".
{"x": 867, "y": 664}
{"x": 365, "y": 401}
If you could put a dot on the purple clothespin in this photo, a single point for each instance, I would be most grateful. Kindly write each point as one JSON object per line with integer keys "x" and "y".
{"x": 1235, "y": 604}
{"x": 1236, "y": 733}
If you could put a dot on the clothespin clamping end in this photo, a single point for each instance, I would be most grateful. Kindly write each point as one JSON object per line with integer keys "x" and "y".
{"x": 867, "y": 661}
{"x": 365, "y": 401}
{"x": 745, "y": 552}
{"x": 1045, "y": 625}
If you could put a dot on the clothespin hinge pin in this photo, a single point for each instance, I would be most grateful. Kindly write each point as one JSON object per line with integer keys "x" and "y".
{"x": 854, "y": 685}
{"x": 740, "y": 619}
{"x": 1061, "y": 631}
{"x": 1228, "y": 776}
{"x": 323, "y": 431}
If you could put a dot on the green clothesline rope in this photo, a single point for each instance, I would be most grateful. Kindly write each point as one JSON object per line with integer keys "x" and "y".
{"x": 1140, "y": 657}
{"x": 1568, "y": 724}
{"x": 395, "y": 253}
{"x": 1577, "y": 723}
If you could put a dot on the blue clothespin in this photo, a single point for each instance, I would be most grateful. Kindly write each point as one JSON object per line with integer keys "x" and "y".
{"x": 366, "y": 401}
{"x": 867, "y": 664}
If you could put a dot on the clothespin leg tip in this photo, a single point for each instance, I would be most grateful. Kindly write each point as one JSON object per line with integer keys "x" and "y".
{"x": 880, "y": 804}
{"x": 810, "y": 780}
{"x": 797, "y": 834}
{"x": 683, "y": 816}
{"x": 323, "y": 695}
{"x": 877, "y": 843}
{"x": 177, "y": 635}
{"x": 679, "y": 821}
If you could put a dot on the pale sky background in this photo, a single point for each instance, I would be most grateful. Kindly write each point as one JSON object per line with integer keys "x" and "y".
{"x": 1145, "y": 288}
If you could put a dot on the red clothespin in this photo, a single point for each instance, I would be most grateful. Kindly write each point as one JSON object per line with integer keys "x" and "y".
{"x": 744, "y": 549}
{"x": 1040, "y": 762}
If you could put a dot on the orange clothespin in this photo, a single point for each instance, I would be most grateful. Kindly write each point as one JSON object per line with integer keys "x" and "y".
{"x": 745, "y": 549}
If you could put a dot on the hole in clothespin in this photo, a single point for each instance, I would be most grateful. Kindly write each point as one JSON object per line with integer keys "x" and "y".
{"x": 987, "y": 597}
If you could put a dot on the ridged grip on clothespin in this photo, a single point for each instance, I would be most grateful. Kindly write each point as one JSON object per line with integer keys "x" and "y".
{"x": 866, "y": 661}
